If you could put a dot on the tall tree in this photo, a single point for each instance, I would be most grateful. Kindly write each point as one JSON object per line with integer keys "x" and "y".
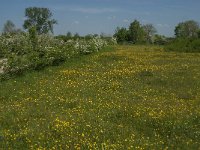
{"x": 40, "y": 18}
{"x": 149, "y": 30}
{"x": 136, "y": 32}
{"x": 187, "y": 29}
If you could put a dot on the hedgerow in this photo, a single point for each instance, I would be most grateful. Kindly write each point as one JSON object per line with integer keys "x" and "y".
{"x": 22, "y": 52}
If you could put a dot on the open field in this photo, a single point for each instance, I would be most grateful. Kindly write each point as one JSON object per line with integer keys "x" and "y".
{"x": 133, "y": 97}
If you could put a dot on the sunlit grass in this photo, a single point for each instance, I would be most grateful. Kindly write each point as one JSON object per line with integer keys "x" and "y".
{"x": 134, "y": 97}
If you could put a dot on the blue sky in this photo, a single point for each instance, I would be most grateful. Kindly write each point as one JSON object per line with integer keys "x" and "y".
{"x": 103, "y": 16}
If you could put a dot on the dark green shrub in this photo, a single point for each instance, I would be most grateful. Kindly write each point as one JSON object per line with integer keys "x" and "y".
{"x": 33, "y": 37}
{"x": 184, "y": 45}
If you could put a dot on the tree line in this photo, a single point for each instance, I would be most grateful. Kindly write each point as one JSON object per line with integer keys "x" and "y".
{"x": 187, "y": 37}
{"x": 39, "y": 21}
{"x": 140, "y": 34}
{"x": 136, "y": 33}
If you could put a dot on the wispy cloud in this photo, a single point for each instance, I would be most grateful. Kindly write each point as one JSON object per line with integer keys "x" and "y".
{"x": 144, "y": 21}
{"x": 97, "y": 10}
{"x": 92, "y": 10}
{"x": 111, "y": 17}
{"x": 162, "y": 25}
{"x": 76, "y": 22}
{"x": 126, "y": 21}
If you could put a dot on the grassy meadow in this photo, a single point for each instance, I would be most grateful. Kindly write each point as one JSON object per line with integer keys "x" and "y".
{"x": 125, "y": 97}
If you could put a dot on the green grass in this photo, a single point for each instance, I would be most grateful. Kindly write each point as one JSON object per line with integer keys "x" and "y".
{"x": 130, "y": 97}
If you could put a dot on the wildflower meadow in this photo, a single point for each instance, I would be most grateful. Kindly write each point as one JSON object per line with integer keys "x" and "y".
{"x": 123, "y": 97}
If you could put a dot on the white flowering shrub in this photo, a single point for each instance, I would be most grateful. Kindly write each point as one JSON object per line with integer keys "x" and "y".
{"x": 90, "y": 46}
{"x": 17, "y": 43}
{"x": 20, "y": 54}
{"x": 112, "y": 41}
{"x": 3, "y": 65}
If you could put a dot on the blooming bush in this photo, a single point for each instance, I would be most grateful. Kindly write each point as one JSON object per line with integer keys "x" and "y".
{"x": 22, "y": 54}
{"x": 89, "y": 46}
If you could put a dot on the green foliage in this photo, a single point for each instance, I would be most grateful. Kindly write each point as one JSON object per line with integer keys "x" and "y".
{"x": 149, "y": 31}
{"x": 199, "y": 34}
{"x": 17, "y": 43}
{"x": 187, "y": 29}
{"x": 34, "y": 52}
{"x": 76, "y": 36}
{"x": 10, "y": 29}
{"x": 33, "y": 37}
{"x": 1, "y": 53}
{"x": 110, "y": 40}
{"x": 187, "y": 34}
{"x": 69, "y": 34}
{"x": 2, "y": 50}
{"x": 121, "y": 34}
{"x": 39, "y": 18}
{"x": 184, "y": 45}
{"x": 66, "y": 37}
{"x": 136, "y": 32}
{"x": 88, "y": 37}
{"x": 160, "y": 40}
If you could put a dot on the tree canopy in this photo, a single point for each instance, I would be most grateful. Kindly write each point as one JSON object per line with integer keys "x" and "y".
{"x": 149, "y": 30}
{"x": 136, "y": 32}
{"x": 9, "y": 27}
{"x": 40, "y": 18}
{"x": 121, "y": 34}
{"x": 187, "y": 29}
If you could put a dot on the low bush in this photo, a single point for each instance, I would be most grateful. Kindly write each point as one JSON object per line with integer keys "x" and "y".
{"x": 184, "y": 45}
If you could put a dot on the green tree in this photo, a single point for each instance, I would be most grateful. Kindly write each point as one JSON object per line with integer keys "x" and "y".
{"x": 40, "y": 18}
{"x": 69, "y": 35}
{"x": 160, "y": 39}
{"x": 88, "y": 37}
{"x": 9, "y": 27}
{"x": 150, "y": 31}
{"x": 121, "y": 34}
{"x": 76, "y": 36}
{"x": 33, "y": 37}
{"x": 136, "y": 32}
{"x": 187, "y": 29}
{"x": 199, "y": 33}
{"x": 95, "y": 35}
